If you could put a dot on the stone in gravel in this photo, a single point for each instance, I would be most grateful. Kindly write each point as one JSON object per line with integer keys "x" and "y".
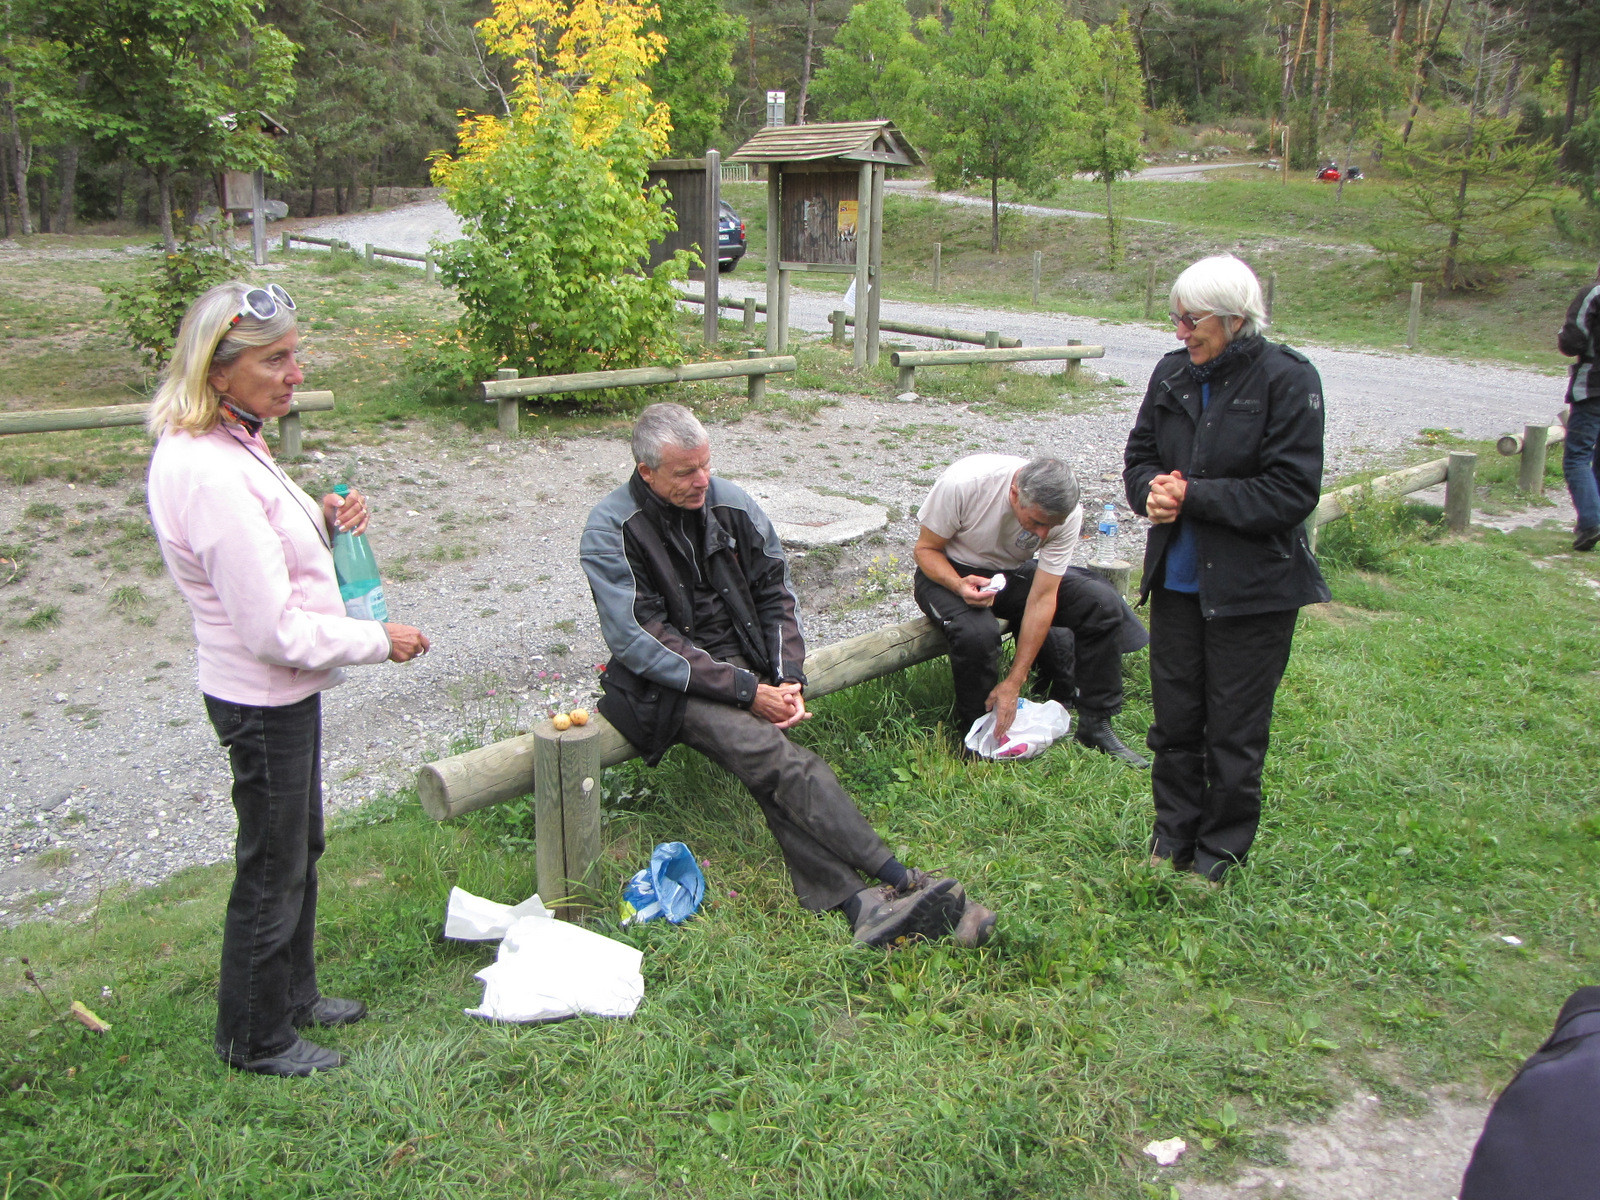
{"x": 908, "y": 397}
{"x": 805, "y": 519}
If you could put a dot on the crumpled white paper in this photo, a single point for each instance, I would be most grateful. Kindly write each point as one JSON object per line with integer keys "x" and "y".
{"x": 1166, "y": 1153}
{"x": 547, "y": 969}
{"x": 469, "y": 918}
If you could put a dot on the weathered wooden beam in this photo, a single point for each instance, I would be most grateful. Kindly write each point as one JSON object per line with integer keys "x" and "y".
{"x": 113, "y": 415}
{"x": 941, "y": 358}
{"x": 1458, "y": 489}
{"x": 1413, "y": 479}
{"x": 590, "y": 381}
{"x": 463, "y": 783}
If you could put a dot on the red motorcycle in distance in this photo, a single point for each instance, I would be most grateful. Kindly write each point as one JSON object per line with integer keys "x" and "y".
{"x": 1330, "y": 173}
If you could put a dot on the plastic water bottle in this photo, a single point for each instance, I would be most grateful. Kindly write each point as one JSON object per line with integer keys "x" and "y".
{"x": 357, "y": 572}
{"x": 1105, "y": 541}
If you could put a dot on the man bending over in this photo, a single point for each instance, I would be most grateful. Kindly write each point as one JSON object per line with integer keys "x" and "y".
{"x": 992, "y": 514}
{"x": 695, "y": 603}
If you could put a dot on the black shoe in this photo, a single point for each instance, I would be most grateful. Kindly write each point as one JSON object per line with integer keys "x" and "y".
{"x": 1094, "y": 731}
{"x": 1586, "y": 539}
{"x": 300, "y": 1059}
{"x": 330, "y": 1011}
{"x": 889, "y": 917}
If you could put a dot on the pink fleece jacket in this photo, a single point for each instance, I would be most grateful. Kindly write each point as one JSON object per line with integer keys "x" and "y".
{"x": 246, "y": 548}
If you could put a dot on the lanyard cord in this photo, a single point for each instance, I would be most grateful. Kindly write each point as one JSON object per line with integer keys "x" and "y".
{"x": 277, "y": 473}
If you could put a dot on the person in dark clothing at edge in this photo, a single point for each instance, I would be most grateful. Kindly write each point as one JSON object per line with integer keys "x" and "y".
{"x": 693, "y": 593}
{"x": 994, "y": 514}
{"x": 1225, "y": 459}
{"x": 1580, "y": 460}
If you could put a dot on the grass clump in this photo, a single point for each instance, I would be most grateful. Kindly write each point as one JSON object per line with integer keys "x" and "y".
{"x": 1431, "y": 788}
{"x": 46, "y": 616}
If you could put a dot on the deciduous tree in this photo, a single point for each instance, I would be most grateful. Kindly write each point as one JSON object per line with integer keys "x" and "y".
{"x": 1103, "y": 137}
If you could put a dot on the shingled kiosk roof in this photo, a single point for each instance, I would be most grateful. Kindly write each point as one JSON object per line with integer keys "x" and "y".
{"x": 855, "y": 141}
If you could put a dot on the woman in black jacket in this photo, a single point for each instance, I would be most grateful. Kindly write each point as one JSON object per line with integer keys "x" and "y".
{"x": 1226, "y": 461}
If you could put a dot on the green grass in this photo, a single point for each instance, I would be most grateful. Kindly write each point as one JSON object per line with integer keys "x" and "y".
{"x": 1432, "y": 788}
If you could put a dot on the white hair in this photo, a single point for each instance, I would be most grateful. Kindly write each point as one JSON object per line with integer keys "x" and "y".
{"x": 186, "y": 400}
{"x": 1048, "y": 485}
{"x": 1222, "y": 284}
{"x": 663, "y": 425}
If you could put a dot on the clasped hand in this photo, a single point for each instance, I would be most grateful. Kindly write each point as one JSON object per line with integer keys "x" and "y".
{"x": 783, "y": 705}
{"x": 345, "y": 514}
{"x": 1165, "y": 500}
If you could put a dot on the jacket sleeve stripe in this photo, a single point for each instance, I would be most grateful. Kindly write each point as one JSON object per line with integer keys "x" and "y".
{"x": 605, "y": 562}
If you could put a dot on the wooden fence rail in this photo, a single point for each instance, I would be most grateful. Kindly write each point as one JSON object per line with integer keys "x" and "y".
{"x": 369, "y": 251}
{"x": 909, "y": 360}
{"x": 563, "y": 768}
{"x": 112, "y": 416}
{"x": 507, "y": 390}
{"x": 841, "y": 320}
{"x": 1533, "y": 446}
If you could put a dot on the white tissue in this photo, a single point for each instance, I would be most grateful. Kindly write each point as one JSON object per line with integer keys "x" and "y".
{"x": 470, "y": 918}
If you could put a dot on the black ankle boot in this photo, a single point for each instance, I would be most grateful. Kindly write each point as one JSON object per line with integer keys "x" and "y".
{"x": 1094, "y": 730}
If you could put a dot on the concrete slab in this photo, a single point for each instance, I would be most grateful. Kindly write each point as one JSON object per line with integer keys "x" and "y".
{"x": 806, "y": 519}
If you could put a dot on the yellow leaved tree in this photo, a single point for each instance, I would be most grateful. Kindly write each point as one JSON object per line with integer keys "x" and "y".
{"x": 557, "y": 214}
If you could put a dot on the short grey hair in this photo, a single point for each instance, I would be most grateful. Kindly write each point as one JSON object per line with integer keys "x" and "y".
{"x": 663, "y": 425}
{"x": 1222, "y": 284}
{"x": 1048, "y": 485}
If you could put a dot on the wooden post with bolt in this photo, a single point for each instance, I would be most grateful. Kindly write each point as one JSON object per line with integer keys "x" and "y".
{"x": 1458, "y": 486}
{"x": 1535, "y": 446}
{"x": 509, "y": 409}
{"x": 566, "y": 800}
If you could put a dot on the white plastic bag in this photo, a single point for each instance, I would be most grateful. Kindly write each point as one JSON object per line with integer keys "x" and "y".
{"x": 546, "y": 969}
{"x": 1033, "y": 731}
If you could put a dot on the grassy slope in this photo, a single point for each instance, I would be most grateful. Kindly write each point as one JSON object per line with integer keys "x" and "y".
{"x": 1432, "y": 787}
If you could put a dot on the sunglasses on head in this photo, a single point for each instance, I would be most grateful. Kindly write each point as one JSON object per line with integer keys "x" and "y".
{"x": 263, "y": 304}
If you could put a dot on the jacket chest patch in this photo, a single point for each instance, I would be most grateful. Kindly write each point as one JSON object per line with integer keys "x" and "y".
{"x": 1244, "y": 404}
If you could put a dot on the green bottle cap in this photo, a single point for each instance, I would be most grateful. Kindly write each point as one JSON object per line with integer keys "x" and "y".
{"x": 341, "y": 489}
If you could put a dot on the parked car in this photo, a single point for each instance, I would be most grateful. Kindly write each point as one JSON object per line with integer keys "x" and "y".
{"x": 730, "y": 238}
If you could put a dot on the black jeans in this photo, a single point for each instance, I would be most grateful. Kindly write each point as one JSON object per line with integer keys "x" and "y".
{"x": 1081, "y": 657}
{"x": 1212, "y": 683}
{"x": 823, "y": 836}
{"x": 268, "y": 972}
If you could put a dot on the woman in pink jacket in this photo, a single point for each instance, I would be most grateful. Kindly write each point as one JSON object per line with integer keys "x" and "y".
{"x": 252, "y": 554}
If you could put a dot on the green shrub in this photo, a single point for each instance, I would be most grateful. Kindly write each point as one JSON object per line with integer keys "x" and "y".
{"x": 151, "y": 308}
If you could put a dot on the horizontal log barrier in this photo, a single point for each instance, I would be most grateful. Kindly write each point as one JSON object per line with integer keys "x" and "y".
{"x": 114, "y": 415}
{"x": 510, "y": 387}
{"x": 840, "y": 320}
{"x": 330, "y": 243}
{"x": 1533, "y": 446}
{"x": 1456, "y": 472}
{"x": 429, "y": 262}
{"x": 909, "y": 360}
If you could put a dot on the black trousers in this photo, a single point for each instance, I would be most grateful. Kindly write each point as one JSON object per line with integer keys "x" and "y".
{"x": 268, "y": 970}
{"x": 1082, "y": 654}
{"x": 1212, "y": 683}
{"x": 825, "y": 841}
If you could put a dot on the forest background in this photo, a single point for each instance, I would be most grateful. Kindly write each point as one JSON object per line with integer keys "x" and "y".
{"x": 108, "y": 109}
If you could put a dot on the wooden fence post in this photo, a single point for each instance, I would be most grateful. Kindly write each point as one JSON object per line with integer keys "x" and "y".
{"x": 1415, "y": 319}
{"x": 991, "y": 339}
{"x": 1150, "y": 292}
{"x": 509, "y": 409}
{"x": 1458, "y": 490}
{"x": 285, "y": 239}
{"x": 429, "y": 268}
{"x": 712, "y": 250}
{"x": 369, "y": 252}
{"x": 1038, "y": 263}
{"x": 837, "y": 318}
{"x": 1118, "y": 573}
{"x": 1535, "y": 445}
{"x": 756, "y": 389}
{"x": 289, "y": 435}
{"x": 906, "y": 381}
{"x": 749, "y": 316}
{"x": 1272, "y": 292}
{"x": 566, "y": 799}
{"x": 938, "y": 253}
{"x": 1073, "y": 364}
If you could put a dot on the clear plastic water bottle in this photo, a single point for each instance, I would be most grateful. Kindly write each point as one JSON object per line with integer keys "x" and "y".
{"x": 1105, "y": 541}
{"x": 357, "y": 571}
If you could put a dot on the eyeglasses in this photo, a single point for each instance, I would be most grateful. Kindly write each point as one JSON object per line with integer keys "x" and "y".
{"x": 263, "y": 304}
{"x": 1188, "y": 320}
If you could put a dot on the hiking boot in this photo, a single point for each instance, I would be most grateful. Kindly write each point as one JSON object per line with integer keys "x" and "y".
{"x": 328, "y": 1011}
{"x": 300, "y": 1059}
{"x": 1094, "y": 731}
{"x": 975, "y": 926}
{"x": 927, "y": 908}
{"x": 1586, "y": 539}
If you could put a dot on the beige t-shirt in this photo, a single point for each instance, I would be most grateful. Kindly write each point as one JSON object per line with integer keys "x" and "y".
{"x": 971, "y": 506}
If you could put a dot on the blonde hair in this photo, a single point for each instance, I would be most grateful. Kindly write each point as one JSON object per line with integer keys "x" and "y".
{"x": 186, "y": 400}
{"x": 1224, "y": 285}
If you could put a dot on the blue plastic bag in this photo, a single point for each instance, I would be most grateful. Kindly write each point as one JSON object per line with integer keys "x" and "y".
{"x": 671, "y": 887}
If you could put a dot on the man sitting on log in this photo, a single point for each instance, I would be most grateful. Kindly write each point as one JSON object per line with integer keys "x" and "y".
{"x": 992, "y": 514}
{"x": 695, "y": 603}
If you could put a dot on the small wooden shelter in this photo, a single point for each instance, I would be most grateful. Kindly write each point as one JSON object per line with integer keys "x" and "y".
{"x": 824, "y": 191}
{"x": 694, "y": 187}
